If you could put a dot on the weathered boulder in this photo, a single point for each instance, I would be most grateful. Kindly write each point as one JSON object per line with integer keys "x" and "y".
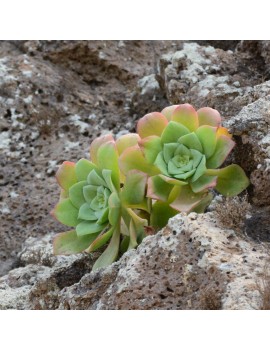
{"x": 252, "y": 126}
{"x": 205, "y": 76}
{"x": 193, "y": 263}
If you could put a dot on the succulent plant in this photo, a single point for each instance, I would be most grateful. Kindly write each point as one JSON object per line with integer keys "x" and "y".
{"x": 181, "y": 150}
{"x": 101, "y": 203}
{"x": 138, "y": 182}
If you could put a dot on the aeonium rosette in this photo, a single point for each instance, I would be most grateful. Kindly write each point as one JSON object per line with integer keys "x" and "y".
{"x": 95, "y": 202}
{"x": 181, "y": 150}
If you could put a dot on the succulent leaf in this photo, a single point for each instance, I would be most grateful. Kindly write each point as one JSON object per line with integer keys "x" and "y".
{"x": 208, "y": 138}
{"x": 89, "y": 227}
{"x": 191, "y": 141}
{"x": 111, "y": 252}
{"x": 161, "y": 213}
{"x": 185, "y": 114}
{"x": 107, "y": 158}
{"x": 204, "y": 182}
{"x": 231, "y": 180}
{"x": 133, "y": 158}
{"x": 66, "y": 213}
{"x": 133, "y": 194}
{"x": 126, "y": 141}
{"x": 76, "y": 194}
{"x": 151, "y": 146}
{"x": 82, "y": 168}
{"x": 168, "y": 111}
{"x": 69, "y": 243}
{"x": 187, "y": 200}
{"x": 173, "y": 132}
{"x": 151, "y": 124}
{"x": 158, "y": 188}
{"x": 101, "y": 240}
{"x": 115, "y": 209}
{"x": 209, "y": 116}
{"x": 66, "y": 175}
{"x": 224, "y": 146}
{"x": 96, "y": 144}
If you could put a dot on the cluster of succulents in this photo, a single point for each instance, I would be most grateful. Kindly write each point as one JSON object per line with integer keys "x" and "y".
{"x": 133, "y": 185}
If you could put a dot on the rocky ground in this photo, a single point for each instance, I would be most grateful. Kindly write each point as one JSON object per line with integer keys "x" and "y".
{"x": 56, "y": 97}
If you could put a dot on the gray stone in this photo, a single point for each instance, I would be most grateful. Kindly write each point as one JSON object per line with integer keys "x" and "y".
{"x": 190, "y": 264}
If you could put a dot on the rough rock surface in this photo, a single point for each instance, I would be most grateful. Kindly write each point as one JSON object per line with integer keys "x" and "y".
{"x": 252, "y": 124}
{"x": 191, "y": 264}
{"x": 206, "y": 76}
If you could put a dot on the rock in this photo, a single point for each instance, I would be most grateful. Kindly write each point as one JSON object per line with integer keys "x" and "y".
{"x": 40, "y": 277}
{"x": 252, "y": 125}
{"x": 148, "y": 96}
{"x": 205, "y": 76}
{"x": 191, "y": 264}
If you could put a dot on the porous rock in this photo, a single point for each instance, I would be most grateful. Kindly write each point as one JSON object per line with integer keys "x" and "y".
{"x": 191, "y": 264}
{"x": 252, "y": 126}
{"x": 206, "y": 76}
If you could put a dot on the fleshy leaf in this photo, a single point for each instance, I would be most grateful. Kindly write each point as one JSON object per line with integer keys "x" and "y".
{"x": 88, "y": 227}
{"x": 169, "y": 151}
{"x": 158, "y": 188}
{"x": 66, "y": 213}
{"x": 172, "y": 180}
{"x": 200, "y": 170}
{"x": 101, "y": 240}
{"x": 209, "y": 116}
{"x": 69, "y": 243}
{"x": 111, "y": 252}
{"x": 187, "y": 199}
{"x": 83, "y": 168}
{"x": 86, "y": 213}
{"x": 191, "y": 141}
{"x": 151, "y": 124}
{"x": 76, "y": 194}
{"x": 173, "y": 132}
{"x": 223, "y": 148}
{"x": 231, "y": 181}
{"x": 95, "y": 179}
{"x": 151, "y": 146}
{"x": 160, "y": 214}
{"x": 186, "y": 115}
{"x": 66, "y": 175}
{"x": 107, "y": 158}
{"x": 133, "y": 158}
{"x": 133, "y": 193}
{"x": 208, "y": 137}
{"x": 107, "y": 176}
{"x": 203, "y": 204}
{"x": 89, "y": 192}
{"x": 96, "y": 144}
{"x": 168, "y": 111}
{"x": 161, "y": 164}
{"x": 103, "y": 216}
{"x": 126, "y": 141}
{"x": 204, "y": 182}
{"x": 223, "y": 131}
{"x": 114, "y": 209}
{"x": 133, "y": 236}
{"x": 63, "y": 194}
